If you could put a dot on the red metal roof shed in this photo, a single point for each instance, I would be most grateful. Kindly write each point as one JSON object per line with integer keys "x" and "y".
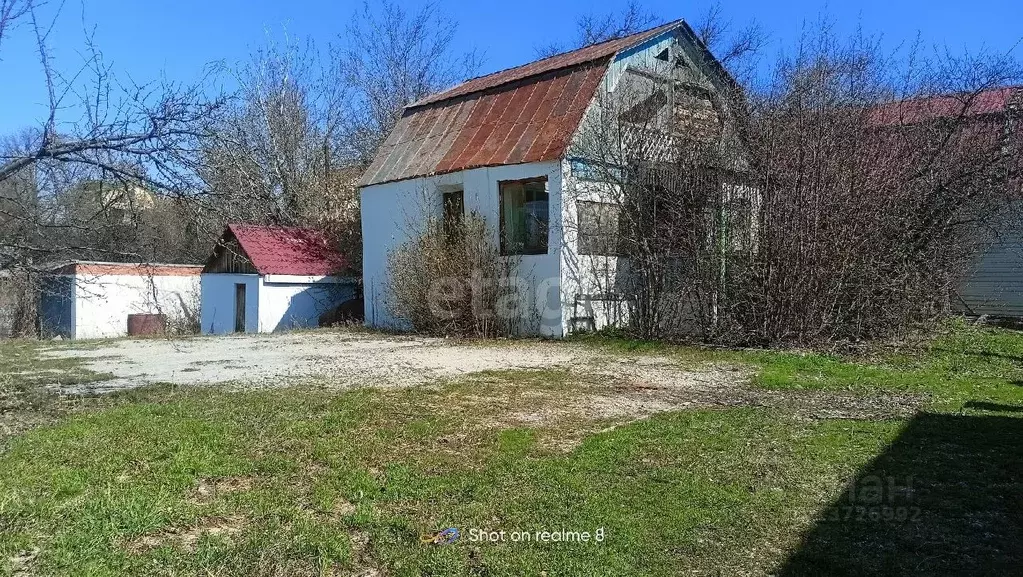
{"x": 284, "y": 250}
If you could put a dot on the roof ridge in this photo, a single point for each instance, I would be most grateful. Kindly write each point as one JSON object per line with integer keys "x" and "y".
{"x": 563, "y": 53}
{"x": 1015, "y": 89}
{"x": 439, "y": 96}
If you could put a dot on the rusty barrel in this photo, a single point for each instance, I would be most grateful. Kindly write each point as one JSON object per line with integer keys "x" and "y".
{"x": 146, "y": 324}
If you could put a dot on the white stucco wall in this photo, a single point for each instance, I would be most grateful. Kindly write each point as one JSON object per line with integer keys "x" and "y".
{"x": 272, "y": 302}
{"x": 297, "y": 302}
{"x": 218, "y": 296}
{"x": 392, "y": 212}
{"x": 103, "y": 302}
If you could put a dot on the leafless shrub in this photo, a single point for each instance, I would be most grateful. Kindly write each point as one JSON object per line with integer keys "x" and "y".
{"x": 839, "y": 203}
{"x": 19, "y": 301}
{"x": 875, "y": 188}
{"x": 451, "y": 280}
{"x": 180, "y": 309}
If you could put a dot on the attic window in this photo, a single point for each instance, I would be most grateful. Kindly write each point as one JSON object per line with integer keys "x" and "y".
{"x": 664, "y": 56}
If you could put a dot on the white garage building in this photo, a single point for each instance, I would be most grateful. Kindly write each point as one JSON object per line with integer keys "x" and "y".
{"x": 263, "y": 279}
{"x": 88, "y": 300}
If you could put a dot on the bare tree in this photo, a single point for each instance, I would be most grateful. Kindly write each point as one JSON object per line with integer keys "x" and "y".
{"x": 11, "y": 13}
{"x": 268, "y": 157}
{"x": 97, "y": 128}
{"x": 596, "y": 28}
{"x": 839, "y": 203}
{"x": 305, "y": 123}
{"x": 728, "y": 44}
{"x": 391, "y": 58}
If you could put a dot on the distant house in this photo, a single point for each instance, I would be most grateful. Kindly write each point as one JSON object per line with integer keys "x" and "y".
{"x": 993, "y": 283}
{"x": 504, "y": 146}
{"x": 87, "y": 300}
{"x": 263, "y": 279}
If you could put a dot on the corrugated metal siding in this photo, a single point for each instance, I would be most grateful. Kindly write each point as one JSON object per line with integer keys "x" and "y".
{"x": 995, "y": 286}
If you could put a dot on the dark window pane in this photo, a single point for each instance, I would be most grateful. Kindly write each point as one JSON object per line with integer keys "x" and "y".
{"x": 524, "y": 217}
{"x": 454, "y": 207}
{"x": 598, "y": 228}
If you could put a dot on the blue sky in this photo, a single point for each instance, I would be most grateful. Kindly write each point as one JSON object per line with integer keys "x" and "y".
{"x": 176, "y": 39}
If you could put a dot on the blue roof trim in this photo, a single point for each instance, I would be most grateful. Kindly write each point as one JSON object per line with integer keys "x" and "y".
{"x": 647, "y": 43}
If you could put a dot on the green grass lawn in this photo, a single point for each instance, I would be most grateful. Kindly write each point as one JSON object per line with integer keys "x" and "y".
{"x": 308, "y": 481}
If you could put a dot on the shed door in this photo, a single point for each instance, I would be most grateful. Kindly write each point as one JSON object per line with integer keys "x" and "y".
{"x": 239, "y": 308}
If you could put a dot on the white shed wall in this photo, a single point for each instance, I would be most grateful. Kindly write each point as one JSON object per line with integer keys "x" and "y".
{"x": 103, "y": 302}
{"x": 298, "y": 303}
{"x": 218, "y": 296}
{"x": 391, "y": 212}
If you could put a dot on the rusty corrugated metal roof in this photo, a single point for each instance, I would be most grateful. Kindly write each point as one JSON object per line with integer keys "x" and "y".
{"x": 556, "y": 62}
{"x": 520, "y": 115}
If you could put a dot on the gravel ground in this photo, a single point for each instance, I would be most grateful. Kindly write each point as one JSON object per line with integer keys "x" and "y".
{"x": 626, "y": 384}
{"x": 344, "y": 359}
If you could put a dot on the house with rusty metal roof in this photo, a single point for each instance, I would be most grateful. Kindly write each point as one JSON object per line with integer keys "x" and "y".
{"x": 264, "y": 279}
{"x": 505, "y": 146}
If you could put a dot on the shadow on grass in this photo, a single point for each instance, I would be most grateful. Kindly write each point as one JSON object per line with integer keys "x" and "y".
{"x": 994, "y": 407}
{"x": 946, "y": 498}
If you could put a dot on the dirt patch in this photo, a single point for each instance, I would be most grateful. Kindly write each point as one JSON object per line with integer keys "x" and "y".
{"x": 207, "y": 490}
{"x": 613, "y": 386}
{"x": 186, "y": 538}
{"x": 624, "y": 391}
{"x": 651, "y": 388}
{"x": 21, "y": 562}
{"x": 363, "y": 557}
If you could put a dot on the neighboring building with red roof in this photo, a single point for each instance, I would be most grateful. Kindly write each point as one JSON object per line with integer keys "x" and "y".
{"x": 985, "y": 103}
{"x": 993, "y": 285}
{"x": 270, "y": 278}
{"x": 505, "y": 146}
